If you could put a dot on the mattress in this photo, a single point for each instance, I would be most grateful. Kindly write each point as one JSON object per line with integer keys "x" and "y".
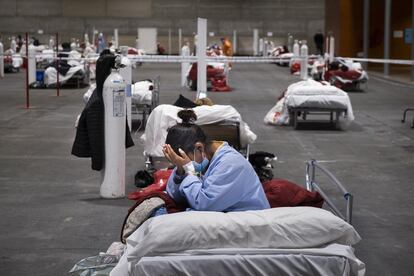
{"x": 318, "y": 97}
{"x": 242, "y": 243}
{"x": 334, "y": 259}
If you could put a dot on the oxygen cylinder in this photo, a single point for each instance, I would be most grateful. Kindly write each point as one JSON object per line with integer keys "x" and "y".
{"x": 113, "y": 174}
{"x": 101, "y": 43}
{"x": 304, "y": 61}
{"x": 86, "y": 39}
{"x": 126, "y": 73}
{"x": 296, "y": 48}
{"x": 331, "y": 48}
{"x": 73, "y": 44}
{"x": 290, "y": 42}
{"x": 13, "y": 45}
{"x": 51, "y": 43}
{"x": 261, "y": 46}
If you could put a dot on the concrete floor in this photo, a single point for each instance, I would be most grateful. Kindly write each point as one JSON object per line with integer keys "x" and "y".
{"x": 52, "y": 216}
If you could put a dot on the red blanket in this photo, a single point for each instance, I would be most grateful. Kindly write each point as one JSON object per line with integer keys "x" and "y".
{"x": 279, "y": 193}
{"x": 283, "y": 193}
{"x": 170, "y": 204}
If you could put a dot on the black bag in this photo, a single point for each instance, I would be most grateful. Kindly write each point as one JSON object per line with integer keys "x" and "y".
{"x": 143, "y": 179}
{"x": 184, "y": 102}
{"x": 262, "y": 164}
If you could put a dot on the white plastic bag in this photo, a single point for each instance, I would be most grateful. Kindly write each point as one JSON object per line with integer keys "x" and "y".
{"x": 278, "y": 115}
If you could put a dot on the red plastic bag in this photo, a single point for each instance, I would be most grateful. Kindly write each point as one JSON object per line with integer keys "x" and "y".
{"x": 160, "y": 184}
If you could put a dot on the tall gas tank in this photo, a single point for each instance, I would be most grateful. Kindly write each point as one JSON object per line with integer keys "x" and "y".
{"x": 296, "y": 48}
{"x": 126, "y": 73}
{"x": 113, "y": 175}
{"x": 304, "y": 61}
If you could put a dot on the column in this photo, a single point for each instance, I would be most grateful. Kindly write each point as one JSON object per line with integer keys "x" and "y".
{"x": 169, "y": 41}
{"x": 412, "y": 41}
{"x": 201, "y": 58}
{"x": 234, "y": 42}
{"x": 387, "y": 30}
{"x": 366, "y": 31}
{"x": 255, "y": 42}
{"x": 180, "y": 35}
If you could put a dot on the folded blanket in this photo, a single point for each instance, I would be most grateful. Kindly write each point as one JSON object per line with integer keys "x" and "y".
{"x": 283, "y": 193}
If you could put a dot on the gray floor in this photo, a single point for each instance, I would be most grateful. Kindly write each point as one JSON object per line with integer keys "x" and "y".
{"x": 52, "y": 216}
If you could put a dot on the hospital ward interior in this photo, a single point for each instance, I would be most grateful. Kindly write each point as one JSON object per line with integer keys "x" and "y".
{"x": 206, "y": 138}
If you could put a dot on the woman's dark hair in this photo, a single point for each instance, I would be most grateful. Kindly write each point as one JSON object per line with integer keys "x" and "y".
{"x": 185, "y": 134}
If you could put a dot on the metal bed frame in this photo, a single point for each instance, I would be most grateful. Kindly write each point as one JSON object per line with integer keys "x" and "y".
{"x": 405, "y": 114}
{"x": 226, "y": 130}
{"x": 313, "y": 185}
{"x": 296, "y": 112}
{"x": 146, "y": 109}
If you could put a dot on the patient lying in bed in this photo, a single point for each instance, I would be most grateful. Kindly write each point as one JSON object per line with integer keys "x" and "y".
{"x": 165, "y": 116}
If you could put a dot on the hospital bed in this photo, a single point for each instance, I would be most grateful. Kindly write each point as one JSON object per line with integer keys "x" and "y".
{"x": 145, "y": 97}
{"x": 77, "y": 76}
{"x": 278, "y": 241}
{"x": 76, "y": 71}
{"x": 303, "y": 112}
{"x": 405, "y": 114}
{"x": 310, "y": 97}
{"x": 12, "y": 61}
{"x": 346, "y": 74}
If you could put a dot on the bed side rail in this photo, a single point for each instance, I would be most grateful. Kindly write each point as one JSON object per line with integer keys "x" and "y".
{"x": 155, "y": 93}
{"x": 312, "y": 185}
{"x": 405, "y": 114}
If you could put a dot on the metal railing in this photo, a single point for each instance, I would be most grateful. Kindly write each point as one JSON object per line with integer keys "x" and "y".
{"x": 312, "y": 185}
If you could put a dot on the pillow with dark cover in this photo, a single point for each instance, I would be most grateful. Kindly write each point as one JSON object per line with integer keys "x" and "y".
{"x": 184, "y": 102}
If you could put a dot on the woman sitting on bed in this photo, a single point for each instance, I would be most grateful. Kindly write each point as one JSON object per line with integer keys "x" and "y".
{"x": 209, "y": 175}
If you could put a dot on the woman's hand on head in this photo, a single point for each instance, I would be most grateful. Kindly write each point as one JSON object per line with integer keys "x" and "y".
{"x": 177, "y": 159}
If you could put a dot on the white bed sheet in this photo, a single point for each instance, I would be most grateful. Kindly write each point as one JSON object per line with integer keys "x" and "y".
{"x": 334, "y": 259}
{"x": 289, "y": 229}
{"x": 319, "y": 97}
{"x": 51, "y": 76}
{"x": 141, "y": 93}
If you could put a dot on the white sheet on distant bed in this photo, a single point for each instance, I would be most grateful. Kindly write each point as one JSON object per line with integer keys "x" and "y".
{"x": 51, "y": 76}
{"x": 141, "y": 93}
{"x": 335, "y": 259}
{"x": 319, "y": 96}
{"x": 311, "y": 94}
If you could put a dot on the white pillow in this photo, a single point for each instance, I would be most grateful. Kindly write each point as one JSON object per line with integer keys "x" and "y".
{"x": 290, "y": 227}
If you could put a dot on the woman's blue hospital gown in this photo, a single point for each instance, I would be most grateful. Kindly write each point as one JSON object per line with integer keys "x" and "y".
{"x": 229, "y": 184}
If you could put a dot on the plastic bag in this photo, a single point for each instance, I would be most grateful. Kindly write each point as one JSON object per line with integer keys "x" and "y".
{"x": 100, "y": 265}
